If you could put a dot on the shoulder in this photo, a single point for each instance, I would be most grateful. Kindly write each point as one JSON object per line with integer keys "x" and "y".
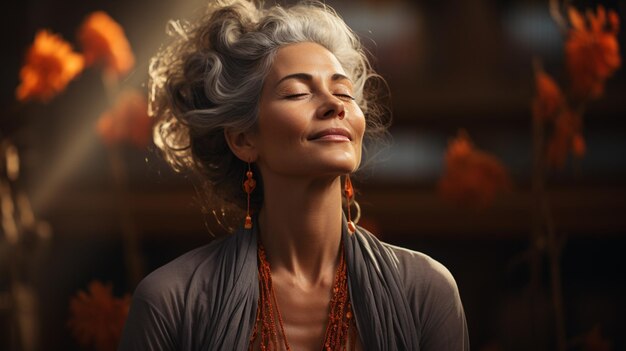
{"x": 157, "y": 308}
{"x": 166, "y": 290}
{"x": 422, "y": 272}
{"x": 172, "y": 304}
{"x": 419, "y": 274}
{"x": 169, "y": 283}
{"x": 434, "y": 297}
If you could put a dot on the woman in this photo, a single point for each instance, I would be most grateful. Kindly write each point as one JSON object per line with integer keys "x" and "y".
{"x": 277, "y": 100}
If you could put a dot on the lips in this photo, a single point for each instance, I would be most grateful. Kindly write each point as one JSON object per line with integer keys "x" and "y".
{"x": 332, "y": 134}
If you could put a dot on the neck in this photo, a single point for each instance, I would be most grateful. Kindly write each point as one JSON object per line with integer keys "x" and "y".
{"x": 300, "y": 226}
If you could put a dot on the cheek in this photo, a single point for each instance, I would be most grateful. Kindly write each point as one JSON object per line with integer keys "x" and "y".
{"x": 359, "y": 125}
{"x": 281, "y": 127}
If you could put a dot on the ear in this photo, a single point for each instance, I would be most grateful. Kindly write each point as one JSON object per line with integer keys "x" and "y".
{"x": 242, "y": 144}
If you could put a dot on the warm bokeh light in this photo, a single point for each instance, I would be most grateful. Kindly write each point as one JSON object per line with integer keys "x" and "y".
{"x": 127, "y": 121}
{"x": 471, "y": 177}
{"x": 549, "y": 100}
{"x": 566, "y": 138}
{"x": 579, "y": 146}
{"x": 97, "y": 317}
{"x": 592, "y": 51}
{"x": 49, "y": 66}
{"x": 103, "y": 40}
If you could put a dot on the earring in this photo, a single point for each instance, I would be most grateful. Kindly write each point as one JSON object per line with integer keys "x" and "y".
{"x": 248, "y": 186}
{"x": 349, "y": 191}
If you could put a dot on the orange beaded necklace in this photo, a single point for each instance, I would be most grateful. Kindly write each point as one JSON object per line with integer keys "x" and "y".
{"x": 340, "y": 318}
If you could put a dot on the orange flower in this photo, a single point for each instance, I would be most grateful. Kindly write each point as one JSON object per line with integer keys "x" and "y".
{"x": 103, "y": 39}
{"x": 97, "y": 318}
{"x": 549, "y": 99}
{"x": 127, "y": 121}
{"x": 50, "y": 65}
{"x": 471, "y": 177}
{"x": 460, "y": 147}
{"x": 578, "y": 146}
{"x": 592, "y": 51}
{"x": 566, "y": 139}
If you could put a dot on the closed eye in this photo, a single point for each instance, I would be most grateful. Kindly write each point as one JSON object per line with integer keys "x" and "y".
{"x": 345, "y": 96}
{"x": 296, "y": 96}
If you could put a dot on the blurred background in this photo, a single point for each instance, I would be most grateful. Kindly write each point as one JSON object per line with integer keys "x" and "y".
{"x": 540, "y": 266}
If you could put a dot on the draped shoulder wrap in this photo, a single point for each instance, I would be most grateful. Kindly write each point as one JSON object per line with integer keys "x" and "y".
{"x": 207, "y": 299}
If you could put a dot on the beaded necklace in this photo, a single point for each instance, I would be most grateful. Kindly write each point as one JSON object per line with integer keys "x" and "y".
{"x": 340, "y": 326}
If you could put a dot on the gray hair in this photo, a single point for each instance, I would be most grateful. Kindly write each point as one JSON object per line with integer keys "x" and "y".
{"x": 209, "y": 79}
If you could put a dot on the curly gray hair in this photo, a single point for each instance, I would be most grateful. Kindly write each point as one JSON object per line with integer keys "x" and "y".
{"x": 209, "y": 79}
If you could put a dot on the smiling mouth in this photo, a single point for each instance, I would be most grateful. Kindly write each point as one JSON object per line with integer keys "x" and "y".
{"x": 333, "y": 134}
{"x": 333, "y": 137}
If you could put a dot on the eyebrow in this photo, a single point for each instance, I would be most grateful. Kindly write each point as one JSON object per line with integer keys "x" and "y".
{"x": 308, "y": 77}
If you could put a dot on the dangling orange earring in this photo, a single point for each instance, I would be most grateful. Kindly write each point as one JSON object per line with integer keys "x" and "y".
{"x": 349, "y": 191}
{"x": 248, "y": 186}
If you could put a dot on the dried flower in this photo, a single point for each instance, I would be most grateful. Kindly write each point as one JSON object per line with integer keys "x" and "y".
{"x": 591, "y": 51}
{"x": 103, "y": 39}
{"x": 97, "y": 318}
{"x": 50, "y": 65}
{"x": 471, "y": 177}
{"x": 127, "y": 121}
{"x": 549, "y": 99}
{"x": 566, "y": 139}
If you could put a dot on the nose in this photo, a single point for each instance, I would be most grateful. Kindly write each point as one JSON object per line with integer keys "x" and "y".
{"x": 332, "y": 107}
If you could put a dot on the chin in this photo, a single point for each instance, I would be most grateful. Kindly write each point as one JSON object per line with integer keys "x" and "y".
{"x": 344, "y": 168}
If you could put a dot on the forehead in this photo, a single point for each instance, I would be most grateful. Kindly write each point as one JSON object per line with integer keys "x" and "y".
{"x": 306, "y": 57}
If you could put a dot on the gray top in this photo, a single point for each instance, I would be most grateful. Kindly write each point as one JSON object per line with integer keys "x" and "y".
{"x": 207, "y": 298}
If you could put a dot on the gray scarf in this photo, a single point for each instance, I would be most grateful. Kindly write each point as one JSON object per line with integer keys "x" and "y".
{"x": 382, "y": 312}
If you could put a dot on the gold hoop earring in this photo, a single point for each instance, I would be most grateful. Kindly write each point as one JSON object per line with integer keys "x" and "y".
{"x": 248, "y": 186}
{"x": 349, "y": 192}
